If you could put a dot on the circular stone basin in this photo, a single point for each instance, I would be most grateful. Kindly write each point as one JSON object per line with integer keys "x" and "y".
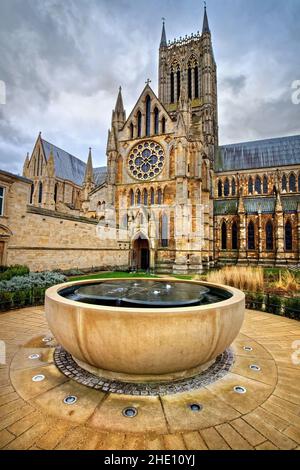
{"x": 142, "y": 328}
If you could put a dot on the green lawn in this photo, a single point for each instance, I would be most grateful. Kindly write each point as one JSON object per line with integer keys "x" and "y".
{"x": 111, "y": 275}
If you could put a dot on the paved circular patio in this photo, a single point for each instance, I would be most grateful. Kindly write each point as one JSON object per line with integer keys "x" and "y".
{"x": 33, "y": 413}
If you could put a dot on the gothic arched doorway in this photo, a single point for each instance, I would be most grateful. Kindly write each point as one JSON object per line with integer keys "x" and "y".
{"x": 141, "y": 254}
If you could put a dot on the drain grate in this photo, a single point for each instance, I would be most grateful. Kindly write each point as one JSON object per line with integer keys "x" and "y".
{"x": 66, "y": 364}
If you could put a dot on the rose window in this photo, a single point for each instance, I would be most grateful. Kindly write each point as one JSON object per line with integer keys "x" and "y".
{"x": 146, "y": 161}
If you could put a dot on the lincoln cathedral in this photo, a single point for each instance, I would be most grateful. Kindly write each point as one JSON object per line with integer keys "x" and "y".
{"x": 171, "y": 199}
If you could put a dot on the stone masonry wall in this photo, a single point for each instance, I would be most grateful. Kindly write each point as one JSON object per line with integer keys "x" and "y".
{"x": 46, "y": 240}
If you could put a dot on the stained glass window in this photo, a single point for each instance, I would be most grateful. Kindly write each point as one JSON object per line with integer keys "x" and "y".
{"x": 196, "y": 82}
{"x": 284, "y": 183}
{"x": 234, "y": 236}
{"x": 250, "y": 186}
{"x": 258, "y": 185}
{"x": 292, "y": 183}
{"x": 226, "y": 188}
{"x": 288, "y": 236}
{"x": 265, "y": 185}
{"x": 224, "y": 236}
{"x": 251, "y": 236}
{"x": 163, "y": 125}
{"x": 220, "y": 188}
{"x": 172, "y": 88}
{"x": 40, "y": 192}
{"x": 152, "y": 199}
{"x": 156, "y": 121}
{"x": 145, "y": 197}
{"x": 233, "y": 187}
{"x": 31, "y": 194}
{"x": 146, "y": 160}
{"x": 148, "y": 115}
{"x": 139, "y": 124}
{"x": 269, "y": 236}
{"x": 190, "y": 83}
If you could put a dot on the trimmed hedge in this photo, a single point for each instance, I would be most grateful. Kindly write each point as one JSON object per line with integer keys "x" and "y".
{"x": 8, "y": 272}
{"x": 23, "y": 291}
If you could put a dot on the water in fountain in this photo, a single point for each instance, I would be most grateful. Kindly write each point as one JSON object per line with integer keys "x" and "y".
{"x": 145, "y": 293}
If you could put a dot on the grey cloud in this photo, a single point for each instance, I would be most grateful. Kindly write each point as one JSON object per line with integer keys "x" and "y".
{"x": 63, "y": 61}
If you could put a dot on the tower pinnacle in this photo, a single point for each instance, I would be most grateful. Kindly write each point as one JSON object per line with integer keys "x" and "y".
{"x": 205, "y": 28}
{"x": 163, "y": 42}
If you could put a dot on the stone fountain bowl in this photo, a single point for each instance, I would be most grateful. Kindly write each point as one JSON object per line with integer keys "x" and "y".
{"x": 142, "y": 344}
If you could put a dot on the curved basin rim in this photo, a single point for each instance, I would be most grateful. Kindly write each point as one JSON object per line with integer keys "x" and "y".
{"x": 53, "y": 293}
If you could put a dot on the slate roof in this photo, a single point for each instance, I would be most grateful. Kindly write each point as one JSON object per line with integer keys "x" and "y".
{"x": 268, "y": 153}
{"x": 252, "y": 205}
{"x": 69, "y": 167}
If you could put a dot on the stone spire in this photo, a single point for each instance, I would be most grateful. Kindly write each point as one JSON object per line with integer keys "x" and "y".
{"x": 205, "y": 28}
{"x": 163, "y": 42}
{"x": 119, "y": 113}
{"x": 89, "y": 172}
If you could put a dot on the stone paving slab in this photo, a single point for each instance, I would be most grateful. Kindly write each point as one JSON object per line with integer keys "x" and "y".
{"x": 267, "y": 417}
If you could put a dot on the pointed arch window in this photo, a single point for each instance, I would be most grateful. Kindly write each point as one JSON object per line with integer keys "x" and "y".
{"x": 164, "y": 231}
{"x": 234, "y": 236}
{"x": 224, "y": 236}
{"x": 148, "y": 115}
{"x": 288, "y": 232}
{"x": 265, "y": 185}
{"x": 40, "y": 192}
{"x": 159, "y": 197}
{"x": 226, "y": 188}
{"x": 152, "y": 197}
{"x": 251, "y": 236}
{"x": 190, "y": 82}
{"x": 145, "y": 197}
{"x": 163, "y": 125}
{"x": 220, "y": 188}
{"x": 56, "y": 191}
{"x": 172, "y": 87}
{"x": 196, "y": 82}
{"x": 31, "y": 193}
{"x": 284, "y": 183}
{"x": 269, "y": 236}
{"x": 131, "y": 197}
{"x": 178, "y": 78}
{"x": 139, "y": 124}
{"x": 250, "y": 185}
{"x": 156, "y": 121}
{"x": 258, "y": 185}
{"x": 138, "y": 197}
{"x": 292, "y": 183}
{"x": 233, "y": 187}
{"x": 131, "y": 131}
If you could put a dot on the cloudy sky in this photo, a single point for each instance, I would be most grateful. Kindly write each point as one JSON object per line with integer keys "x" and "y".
{"x": 63, "y": 60}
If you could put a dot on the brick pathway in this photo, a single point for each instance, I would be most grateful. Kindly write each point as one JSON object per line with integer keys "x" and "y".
{"x": 33, "y": 415}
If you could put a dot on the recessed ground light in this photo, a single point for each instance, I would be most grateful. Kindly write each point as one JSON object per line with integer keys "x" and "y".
{"x": 38, "y": 378}
{"x": 130, "y": 412}
{"x": 248, "y": 348}
{"x": 195, "y": 407}
{"x": 47, "y": 339}
{"x": 70, "y": 400}
{"x": 240, "y": 390}
{"x": 255, "y": 367}
{"x": 34, "y": 356}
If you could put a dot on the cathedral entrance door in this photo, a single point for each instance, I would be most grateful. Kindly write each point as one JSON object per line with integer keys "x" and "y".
{"x": 141, "y": 256}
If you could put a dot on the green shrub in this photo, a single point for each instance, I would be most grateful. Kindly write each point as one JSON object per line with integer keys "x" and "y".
{"x": 8, "y": 272}
{"x": 20, "y": 291}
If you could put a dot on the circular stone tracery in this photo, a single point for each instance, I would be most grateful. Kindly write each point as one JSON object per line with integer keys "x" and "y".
{"x": 146, "y": 161}
{"x": 66, "y": 364}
